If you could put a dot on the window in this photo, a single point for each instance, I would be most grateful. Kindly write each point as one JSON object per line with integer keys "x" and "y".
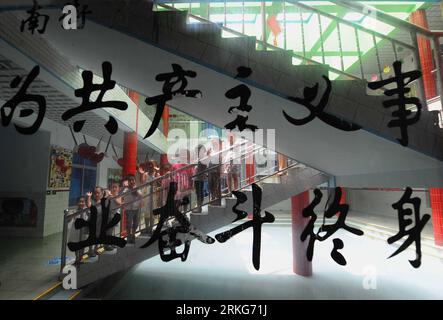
{"x": 83, "y": 180}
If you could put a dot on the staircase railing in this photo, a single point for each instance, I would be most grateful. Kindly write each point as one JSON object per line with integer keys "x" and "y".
{"x": 398, "y": 48}
{"x": 153, "y": 194}
{"x": 416, "y": 33}
{"x": 265, "y": 45}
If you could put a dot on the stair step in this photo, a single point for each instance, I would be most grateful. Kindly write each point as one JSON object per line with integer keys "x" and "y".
{"x": 172, "y": 20}
{"x": 208, "y": 33}
{"x": 311, "y": 73}
{"x": 347, "y": 87}
{"x": 243, "y": 46}
{"x": 276, "y": 59}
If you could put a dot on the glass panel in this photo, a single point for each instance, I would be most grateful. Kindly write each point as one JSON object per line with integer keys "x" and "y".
{"x": 76, "y": 185}
{"x": 89, "y": 180}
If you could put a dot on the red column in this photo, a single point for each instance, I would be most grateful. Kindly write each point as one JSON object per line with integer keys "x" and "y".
{"x": 436, "y": 195}
{"x": 130, "y": 142}
{"x": 130, "y": 154}
{"x": 301, "y": 265}
{"x": 135, "y": 97}
{"x": 165, "y": 118}
{"x": 343, "y": 195}
{"x": 424, "y": 47}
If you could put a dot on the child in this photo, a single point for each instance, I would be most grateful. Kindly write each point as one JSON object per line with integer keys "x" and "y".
{"x": 98, "y": 195}
{"x": 131, "y": 197}
{"x": 81, "y": 206}
{"x": 114, "y": 209}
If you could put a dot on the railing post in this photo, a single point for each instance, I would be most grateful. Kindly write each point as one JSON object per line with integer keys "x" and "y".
{"x": 64, "y": 240}
{"x": 151, "y": 208}
{"x": 263, "y": 20}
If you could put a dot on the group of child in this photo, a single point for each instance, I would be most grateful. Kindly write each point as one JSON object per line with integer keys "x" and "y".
{"x": 128, "y": 199}
{"x": 127, "y": 196}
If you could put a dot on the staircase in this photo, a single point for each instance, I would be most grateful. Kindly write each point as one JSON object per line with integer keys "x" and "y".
{"x": 365, "y": 158}
{"x": 141, "y": 43}
{"x": 277, "y": 185}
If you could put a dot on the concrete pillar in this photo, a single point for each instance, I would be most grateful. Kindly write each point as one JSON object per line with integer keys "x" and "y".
{"x": 301, "y": 265}
{"x": 436, "y": 195}
{"x": 424, "y": 47}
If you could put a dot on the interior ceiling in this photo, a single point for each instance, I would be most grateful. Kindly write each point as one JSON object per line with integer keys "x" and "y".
{"x": 56, "y": 104}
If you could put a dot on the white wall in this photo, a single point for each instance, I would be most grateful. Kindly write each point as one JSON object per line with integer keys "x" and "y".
{"x": 379, "y": 202}
{"x": 24, "y": 173}
{"x": 285, "y": 206}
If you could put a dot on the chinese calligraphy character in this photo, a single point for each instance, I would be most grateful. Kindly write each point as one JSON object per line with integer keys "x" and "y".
{"x": 244, "y": 93}
{"x": 309, "y": 94}
{"x": 401, "y": 101}
{"x": 413, "y": 233}
{"x": 23, "y": 97}
{"x": 106, "y": 224}
{"x": 71, "y": 22}
{"x": 170, "y": 209}
{"x": 255, "y": 223}
{"x": 334, "y": 208}
{"x": 85, "y": 93}
{"x": 33, "y": 20}
{"x": 177, "y": 77}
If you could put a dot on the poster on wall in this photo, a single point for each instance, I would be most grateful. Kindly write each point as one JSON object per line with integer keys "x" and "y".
{"x": 60, "y": 169}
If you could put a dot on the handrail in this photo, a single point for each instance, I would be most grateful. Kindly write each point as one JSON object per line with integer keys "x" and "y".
{"x": 259, "y": 41}
{"x": 351, "y": 24}
{"x": 209, "y": 169}
{"x": 382, "y": 16}
{"x": 168, "y": 175}
{"x": 393, "y": 21}
{"x": 288, "y": 167}
{"x": 266, "y": 45}
{"x": 68, "y": 216}
{"x": 209, "y": 156}
{"x": 156, "y": 180}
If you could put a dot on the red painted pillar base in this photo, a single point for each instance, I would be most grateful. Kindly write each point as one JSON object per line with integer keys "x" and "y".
{"x": 301, "y": 265}
{"x": 436, "y": 195}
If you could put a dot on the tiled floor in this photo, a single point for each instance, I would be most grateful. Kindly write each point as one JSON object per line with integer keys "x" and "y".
{"x": 25, "y": 269}
{"x": 225, "y": 271}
